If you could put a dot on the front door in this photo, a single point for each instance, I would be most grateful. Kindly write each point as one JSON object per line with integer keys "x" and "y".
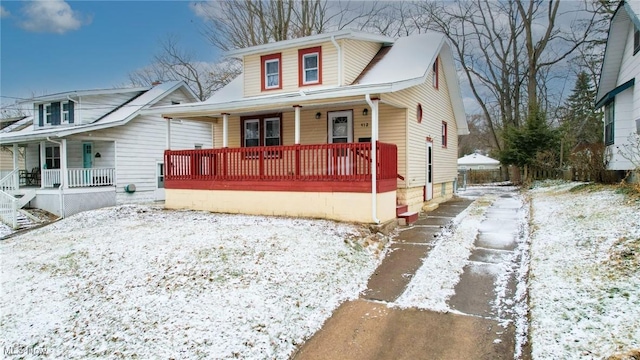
{"x": 87, "y": 161}
{"x": 428, "y": 191}
{"x": 340, "y": 131}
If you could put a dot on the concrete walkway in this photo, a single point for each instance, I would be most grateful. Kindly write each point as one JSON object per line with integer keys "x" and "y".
{"x": 372, "y": 328}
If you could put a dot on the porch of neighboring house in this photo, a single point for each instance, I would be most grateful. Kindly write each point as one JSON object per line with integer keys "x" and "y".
{"x": 63, "y": 177}
{"x": 334, "y": 180}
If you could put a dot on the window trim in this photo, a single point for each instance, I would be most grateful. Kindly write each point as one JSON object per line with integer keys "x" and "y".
{"x": 609, "y": 121}
{"x": 445, "y": 134}
{"x": 302, "y": 53}
{"x": 435, "y": 74}
{"x": 52, "y": 157}
{"x": 48, "y": 114}
{"x": 263, "y": 72}
{"x": 261, "y": 120}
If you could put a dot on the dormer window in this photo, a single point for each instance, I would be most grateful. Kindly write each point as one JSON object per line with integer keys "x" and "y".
{"x": 310, "y": 66}
{"x": 271, "y": 71}
{"x": 55, "y": 113}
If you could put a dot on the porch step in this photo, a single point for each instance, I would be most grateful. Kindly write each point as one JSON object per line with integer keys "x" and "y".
{"x": 408, "y": 218}
{"x": 401, "y": 209}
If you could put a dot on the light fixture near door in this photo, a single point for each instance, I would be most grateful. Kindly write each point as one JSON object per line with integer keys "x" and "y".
{"x": 365, "y": 112}
{"x": 318, "y": 115}
{"x": 98, "y": 155}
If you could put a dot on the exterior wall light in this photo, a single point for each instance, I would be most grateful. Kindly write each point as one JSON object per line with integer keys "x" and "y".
{"x": 365, "y": 112}
{"x": 318, "y": 115}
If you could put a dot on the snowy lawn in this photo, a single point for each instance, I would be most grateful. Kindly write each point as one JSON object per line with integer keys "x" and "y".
{"x": 138, "y": 281}
{"x": 585, "y": 266}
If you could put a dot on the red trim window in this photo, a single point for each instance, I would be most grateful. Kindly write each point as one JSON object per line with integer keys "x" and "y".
{"x": 444, "y": 134}
{"x": 435, "y": 73}
{"x": 310, "y": 66}
{"x": 271, "y": 72}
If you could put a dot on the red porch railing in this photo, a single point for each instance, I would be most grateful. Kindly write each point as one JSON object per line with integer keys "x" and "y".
{"x": 323, "y": 167}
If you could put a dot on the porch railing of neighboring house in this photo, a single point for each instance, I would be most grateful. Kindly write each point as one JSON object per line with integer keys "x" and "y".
{"x": 322, "y": 167}
{"x": 79, "y": 177}
{"x": 10, "y": 181}
{"x": 8, "y": 209}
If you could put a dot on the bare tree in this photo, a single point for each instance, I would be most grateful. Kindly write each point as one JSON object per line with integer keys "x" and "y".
{"x": 173, "y": 63}
{"x": 507, "y": 50}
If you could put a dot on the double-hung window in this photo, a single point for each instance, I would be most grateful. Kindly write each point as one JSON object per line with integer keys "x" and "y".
{"x": 271, "y": 71}
{"x": 52, "y": 157}
{"x": 55, "y": 113}
{"x": 48, "y": 114}
{"x": 261, "y": 131}
{"x": 609, "y": 123}
{"x": 310, "y": 66}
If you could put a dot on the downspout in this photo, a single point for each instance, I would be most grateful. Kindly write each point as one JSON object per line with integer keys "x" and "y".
{"x": 374, "y": 159}
{"x": 335, "y": 43}
{"x": 61, "y": 178}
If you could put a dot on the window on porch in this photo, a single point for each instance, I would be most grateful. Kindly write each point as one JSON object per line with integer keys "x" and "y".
{"x": 52, "y": 157}
{"x": 261, "y": 131}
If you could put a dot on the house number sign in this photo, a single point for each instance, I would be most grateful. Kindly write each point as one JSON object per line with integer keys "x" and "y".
{"x": 366, "y": 124}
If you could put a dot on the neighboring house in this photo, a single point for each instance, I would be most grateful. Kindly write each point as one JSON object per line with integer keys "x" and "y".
{"x": 477, "y": 162}
{"x": 89, "y": 149}
{"x": 294, "y": 132}
{"x": 616, "y": 89}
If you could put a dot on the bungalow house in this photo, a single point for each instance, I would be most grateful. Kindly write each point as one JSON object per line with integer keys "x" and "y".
{"x": 616, "y": 89}
{"x": 344, "y": 125}
{"x": 94, "y": 148}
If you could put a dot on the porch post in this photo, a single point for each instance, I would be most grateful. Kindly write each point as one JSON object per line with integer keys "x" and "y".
{"x": 43, "y": 162}
{"x": 373, "y": 103}
{"x": 168, "y": 145}
{"x": 63, "y": 164}
{"x": 297, "y": 127}
{"x": 15, "y": 156}
{"x": 225, "y": 130}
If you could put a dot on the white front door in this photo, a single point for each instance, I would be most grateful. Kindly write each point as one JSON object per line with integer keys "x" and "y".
{"x": 159, "y": 193}
{"x": 340, "y": 131}
{"x": 428, "y": 193}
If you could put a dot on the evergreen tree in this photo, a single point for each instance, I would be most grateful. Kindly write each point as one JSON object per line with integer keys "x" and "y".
{"x": 581, "y": 123}
{"x": 522, "y": 145}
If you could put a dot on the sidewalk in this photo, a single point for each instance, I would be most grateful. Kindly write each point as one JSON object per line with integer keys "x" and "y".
{"x": 372, "y": 328}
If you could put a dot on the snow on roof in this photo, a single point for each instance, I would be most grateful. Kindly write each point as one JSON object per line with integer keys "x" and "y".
{"x": 477, "y": 159}
{"x": 63, "y": 95}
{"x": 230, "y": 92}
{"x": 120, "y": 115}
{"x": 415, "y": 53}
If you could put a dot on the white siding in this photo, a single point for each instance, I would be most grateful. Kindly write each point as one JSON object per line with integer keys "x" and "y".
{"x": 627, "y": 105}
{"x": 140, "y": 145}
{"x": 624, "y": 124}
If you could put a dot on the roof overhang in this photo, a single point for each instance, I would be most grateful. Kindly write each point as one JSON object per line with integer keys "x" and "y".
{"x": 612, "y": 94}
{"x": 309, "y": 40}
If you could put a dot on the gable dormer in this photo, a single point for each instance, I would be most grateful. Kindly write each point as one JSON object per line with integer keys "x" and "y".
{"x": 323, "y": 60}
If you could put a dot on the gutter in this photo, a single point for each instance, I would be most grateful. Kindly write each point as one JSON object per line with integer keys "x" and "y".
{"x": 374, "y": 159}
{"x": 335, "y": 43}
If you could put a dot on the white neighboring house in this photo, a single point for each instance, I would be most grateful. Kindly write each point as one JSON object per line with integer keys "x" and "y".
{"x": 89, "y": 149}
{"x": 477, "y": 162}
{"x": 616, "y": 92}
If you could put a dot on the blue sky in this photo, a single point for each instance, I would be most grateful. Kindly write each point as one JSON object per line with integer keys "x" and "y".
{"x": 54, "y": 46}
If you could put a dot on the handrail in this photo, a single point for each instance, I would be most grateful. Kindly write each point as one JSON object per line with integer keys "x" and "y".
{"x": 321, "y": 162}
{"x": 10, "y": 181}
{"x": 8, "y": 209}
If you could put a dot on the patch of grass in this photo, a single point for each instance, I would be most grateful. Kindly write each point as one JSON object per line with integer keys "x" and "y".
{"x": 583, "y": 187}
{"x": 631, "y": 191}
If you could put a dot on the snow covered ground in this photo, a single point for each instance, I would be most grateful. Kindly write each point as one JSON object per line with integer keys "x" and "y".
{"x": 584, "y": 279}
{"x": 138, "y": 281}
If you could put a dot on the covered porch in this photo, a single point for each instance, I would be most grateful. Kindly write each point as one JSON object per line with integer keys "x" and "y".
{"x": 324, "y": 161}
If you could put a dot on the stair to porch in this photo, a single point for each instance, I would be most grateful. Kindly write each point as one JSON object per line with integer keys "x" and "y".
{"x": 405, "y": 217}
